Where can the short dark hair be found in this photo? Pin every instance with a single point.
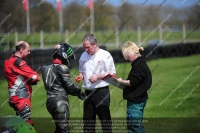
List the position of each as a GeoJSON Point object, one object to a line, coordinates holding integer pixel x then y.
{"type": "Point", "coordinates": [90, 37]}
{"type": "Point", "coordinates": [20, 46]}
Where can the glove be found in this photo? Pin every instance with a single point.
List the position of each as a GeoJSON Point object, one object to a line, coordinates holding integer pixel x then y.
{"type": "Point", "coordinates": [32, 83]}
{"type": "Point", "coordinates": [82, 95]}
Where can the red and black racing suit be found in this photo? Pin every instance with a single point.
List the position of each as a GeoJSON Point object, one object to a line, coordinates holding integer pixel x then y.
{"type": "Point", "coordinates": [20, 77]}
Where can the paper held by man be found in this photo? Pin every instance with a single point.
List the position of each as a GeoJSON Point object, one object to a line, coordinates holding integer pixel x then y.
{"type": "Point", "coordinates": [112, 79]}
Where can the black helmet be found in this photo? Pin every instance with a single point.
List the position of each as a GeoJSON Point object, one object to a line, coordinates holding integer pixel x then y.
{"type": "Point", "coordinates": [65, 52]}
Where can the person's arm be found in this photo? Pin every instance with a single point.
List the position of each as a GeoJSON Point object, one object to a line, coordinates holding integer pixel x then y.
{"type": "Point", "coordinates": [70, 87]}
{"type": "Point", "coordinates": [23, 69]}
{"type": "Point", "coordinates": [136, 77]}
{"type": "Point", "coordinates": [125, 82]}
{"type": "Point", "coordinates": [100, 75]}
{"type": "Point", "coordinates": [109, 67]}
{"type": "Point", "coordinates": [80, 76]}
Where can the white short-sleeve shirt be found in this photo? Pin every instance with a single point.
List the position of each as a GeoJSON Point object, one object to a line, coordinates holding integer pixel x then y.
{"type": "Point", "coordinates": [100, 62]}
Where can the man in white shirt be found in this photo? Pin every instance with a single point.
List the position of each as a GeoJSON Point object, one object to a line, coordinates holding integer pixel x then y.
{"type": "Point", "coordinates": [94, 64]}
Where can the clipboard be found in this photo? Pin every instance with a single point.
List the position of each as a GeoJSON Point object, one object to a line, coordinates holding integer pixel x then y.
{"type": "Point", "coordinates": [112, 79]}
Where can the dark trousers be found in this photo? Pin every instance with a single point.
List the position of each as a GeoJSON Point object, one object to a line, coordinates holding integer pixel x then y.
{"type": "Point", "coordinates": [59, 110]}
{"type": "Point", "coordinates": [98, 103]}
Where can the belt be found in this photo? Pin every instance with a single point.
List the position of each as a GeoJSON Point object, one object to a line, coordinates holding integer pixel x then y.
{"type": "Point", "coordinates": [95, 89]}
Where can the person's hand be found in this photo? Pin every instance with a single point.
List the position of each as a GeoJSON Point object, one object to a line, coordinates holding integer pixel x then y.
{"type": "Point", "coordinates": [119, 80]}
{"type": "Point", "coordinates": [82, 95]}
{"type": "Point", "coordinates": [31, 82]}
{"type": "Point", "coordinates": [78, 79]}
{"type": "Point", "coordinates": [93, 78]}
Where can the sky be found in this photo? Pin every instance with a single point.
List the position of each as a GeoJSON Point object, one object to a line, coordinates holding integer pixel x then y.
{"type": "Point", "coordinates": [175, 3]}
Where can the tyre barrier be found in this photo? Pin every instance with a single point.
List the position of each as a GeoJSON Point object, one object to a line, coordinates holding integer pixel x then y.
{"type": "Point", "coordinates": [40, 57]}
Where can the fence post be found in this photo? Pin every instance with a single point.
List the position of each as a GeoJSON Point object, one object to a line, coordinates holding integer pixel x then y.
{"type": "Point", "coordinates": [8, 40]}
{"type": "Point", "coordinates": [139, 34]}
{"type": "Point", "coordinates": [184, 34]}
{"type": "Point", "coordinates": [16, 37]}
{"type": "Point", "coordinates": [117, 38]}
{"type": "Point", "coordinates": [66, 36]}
{"type": "Point", "coordinates": [160, 33]}
{"type": "Point", "coordinates": [41, 39]}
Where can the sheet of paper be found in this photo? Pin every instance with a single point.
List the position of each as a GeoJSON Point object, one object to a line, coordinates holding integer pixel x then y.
{"type": "Point", "coordinates": [111, 79]}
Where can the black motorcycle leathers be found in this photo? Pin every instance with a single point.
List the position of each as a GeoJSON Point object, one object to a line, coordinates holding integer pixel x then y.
{"type": "Point", "coordinates": [58, 85]}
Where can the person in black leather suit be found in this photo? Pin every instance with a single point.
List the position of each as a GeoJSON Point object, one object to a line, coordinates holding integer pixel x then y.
{"type": "Point", "coordinates": [58, 85]}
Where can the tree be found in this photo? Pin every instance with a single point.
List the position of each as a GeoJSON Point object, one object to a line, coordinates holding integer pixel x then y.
{"type": "Point", "coordinates": [43, 17]}
{"type": "Point", "coordinates": [193, 16]}
{"type": "Point", "coordinates": [73, 16]}
{"type": "Point", "coordinates": [105, 16]}
{"type": "Point", "coordinates": [150, 16]}
{"type": "Point", "coordinates": [129, 10]}
{"type": "Point", "coordinates": [11, 15]}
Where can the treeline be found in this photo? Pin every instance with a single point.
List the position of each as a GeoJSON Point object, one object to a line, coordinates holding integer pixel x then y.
{"type": "Point", "coordinates": [44, 16]}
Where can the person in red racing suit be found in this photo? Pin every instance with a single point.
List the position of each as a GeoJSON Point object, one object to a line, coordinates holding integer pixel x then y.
{"type": "Point", "coordinates": [20, 77]}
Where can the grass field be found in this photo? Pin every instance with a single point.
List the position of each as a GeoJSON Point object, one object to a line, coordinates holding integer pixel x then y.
{"type": "Point", "coordinates": [173, 104]}
{"type": "Point", "coordinates": [103, 37]}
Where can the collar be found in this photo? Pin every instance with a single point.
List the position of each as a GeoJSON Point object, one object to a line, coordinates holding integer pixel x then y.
{"type": "Point", "coordinates": [136, 59]}
{"type": "Point", "coordinates": [15, 56]}
{"type": "Point", "coordinates": [56, 61]}
{"type": "Point", "coordinates": [93, 56]}
{"type": "Point", "coordinates": [97, 50]}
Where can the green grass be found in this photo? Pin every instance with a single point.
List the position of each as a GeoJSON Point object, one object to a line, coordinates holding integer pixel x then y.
{"type": "Point", "coordinates": [174, 79]}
